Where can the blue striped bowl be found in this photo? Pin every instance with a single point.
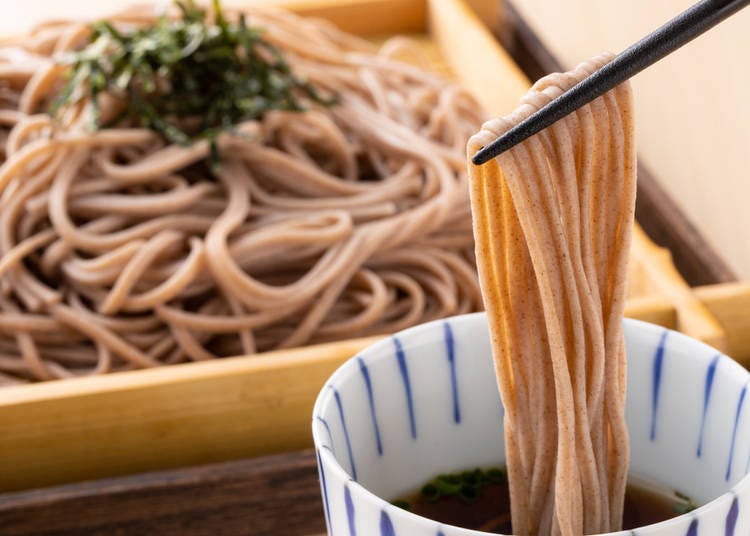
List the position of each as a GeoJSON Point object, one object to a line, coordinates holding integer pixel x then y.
{"type": "Point", "coordinates": [425, 402]}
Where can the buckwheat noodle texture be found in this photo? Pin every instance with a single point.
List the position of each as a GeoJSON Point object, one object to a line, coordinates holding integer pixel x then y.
{"type": "Point", "coordinates": [552, 222]}
{"type": "Point", "coordinates": [120, 251]}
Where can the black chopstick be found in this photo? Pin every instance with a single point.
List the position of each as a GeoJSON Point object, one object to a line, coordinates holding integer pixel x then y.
{"type": "Point", "coordinates": [674, 34]}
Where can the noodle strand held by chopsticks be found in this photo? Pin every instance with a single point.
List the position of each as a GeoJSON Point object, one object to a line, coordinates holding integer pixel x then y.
{"type": "Point", "coordinates": [119, 250]}
{"type": "Point", "coordinates": [552, 224]}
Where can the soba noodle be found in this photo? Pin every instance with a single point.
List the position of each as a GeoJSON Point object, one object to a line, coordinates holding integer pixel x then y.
{"type": "Point", "coordinates": [120, 251]}
{"type": "Point", "coordinates": [552, 222]}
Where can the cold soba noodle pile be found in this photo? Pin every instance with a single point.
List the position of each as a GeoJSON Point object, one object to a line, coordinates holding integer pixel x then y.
{"type": "Point", "coordinates": [137, 243]}
{"type": "Point", "coordinates": [552, 222]}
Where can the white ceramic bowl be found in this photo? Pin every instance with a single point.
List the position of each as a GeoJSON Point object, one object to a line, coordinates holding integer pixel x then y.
{"type": "Point", "coordinates": [424, 402]}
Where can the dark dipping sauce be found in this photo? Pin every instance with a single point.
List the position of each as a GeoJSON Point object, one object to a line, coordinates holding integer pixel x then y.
{"type": "Point", "coordinates": [480, 500]}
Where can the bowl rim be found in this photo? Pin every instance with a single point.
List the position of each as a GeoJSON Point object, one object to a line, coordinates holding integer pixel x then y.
{"type": "Point", "coordinates": [349, 367]}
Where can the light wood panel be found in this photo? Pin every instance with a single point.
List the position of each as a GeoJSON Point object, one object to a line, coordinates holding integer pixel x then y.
{"type": "Point", "coordinates": [488, 11]}
{"type": "Point", "coordinates": [93, 427]}
{"type": "Point", "coordinates": [730, 305]}
{"type": "Point", "coordinates": [693, 114]}
{"type": "Point", "coordinates": [476, 57]}
{"type": "Point", "coordinates": [657, 277]}
{"type": "Point", "coordinates": [364, 17]}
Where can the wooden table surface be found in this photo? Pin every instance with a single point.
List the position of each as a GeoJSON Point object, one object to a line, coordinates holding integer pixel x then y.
{"type": "Point", "coordinates": [274, 495]}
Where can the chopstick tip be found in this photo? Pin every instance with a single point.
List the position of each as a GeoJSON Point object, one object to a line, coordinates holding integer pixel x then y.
{"type": "Point", "coordinates": [480, 157]}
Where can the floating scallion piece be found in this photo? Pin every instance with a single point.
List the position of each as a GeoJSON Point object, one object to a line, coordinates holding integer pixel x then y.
{"type": "Point", "coordinates": [684, 505]}
{"type": "Point", "coordinates": [400, 503]}
{"type": "Point", "coordinates": [466, 485]}
{"type": "Point", "coordinates": [469, 493]}
{"type": "Point", "coordinates": [496, 476]}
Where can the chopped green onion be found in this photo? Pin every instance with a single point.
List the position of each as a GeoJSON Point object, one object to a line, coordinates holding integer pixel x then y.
{"type": "Point", "coordinates": [468, 494]}
{"type": "Point", "coordinates": [187, 79]}
{"type": "Point", "coordinates": [400, 503]}
{"type": "Point", "coordinates": [431, 492]}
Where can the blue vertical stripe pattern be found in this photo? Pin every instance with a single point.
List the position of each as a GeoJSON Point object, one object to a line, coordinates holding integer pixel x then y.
{"type": "Point", "coordinates": [371, 399]}
{"type": "Point", "coordinates": [328, 429]}
{"type": "Point", "coordinates": [350, 510]}
{"type": "Point", "coordinates": [710, 373]}
{"type": "Point", "coordinates": [693, 528]}
{"type": "Point", "coordinates": [325, 493]}
{"type": "Point", "coordinates": [386, 525]}
{"type": "Point", "coordinates": [450, 346]}
{"type": "Point", "coordinates": [734, 430]}
{"type": "Point", "coordinates": [401, 357]}
{"type": "Point", "coordinates": [732, 515]}
{"type": "Point", "coordinates": [656, 379]}
{"type": "Point", "coordinates": [346, 431]}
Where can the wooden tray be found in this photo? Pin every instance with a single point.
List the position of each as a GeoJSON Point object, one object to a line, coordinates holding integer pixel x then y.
{"type": "Point", "coordinates": [274, 494]}
{"type": "Point", "coordinates": [184, 415]}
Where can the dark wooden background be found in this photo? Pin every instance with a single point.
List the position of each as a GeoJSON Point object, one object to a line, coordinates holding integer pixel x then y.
{"type": "Point", "coordinates": [279, 495]}
{"type": "Point", "coordinates": [273, 495]}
